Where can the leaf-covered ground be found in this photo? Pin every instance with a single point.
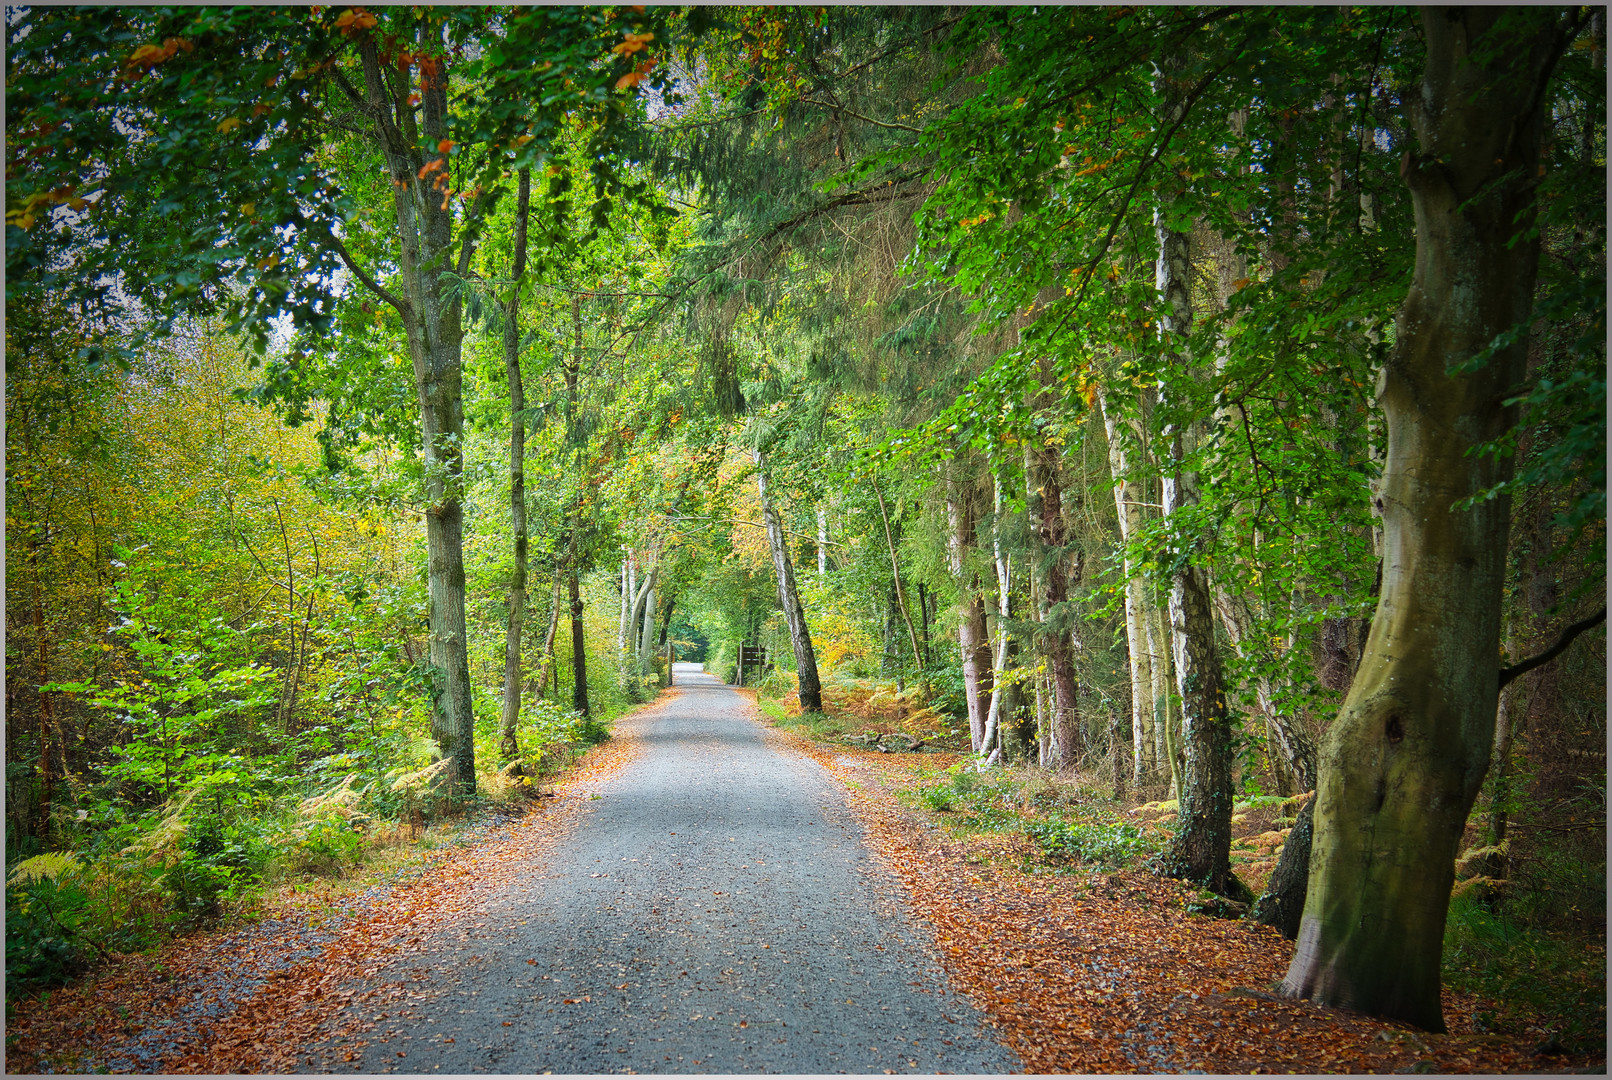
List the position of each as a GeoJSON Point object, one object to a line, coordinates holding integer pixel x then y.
{"type": "Point", "coordinates": [251, 999]}
{"type": "Point", "coordinates": [1080, 972]}
{"type": "Point", "coordinates": [1111, 973]}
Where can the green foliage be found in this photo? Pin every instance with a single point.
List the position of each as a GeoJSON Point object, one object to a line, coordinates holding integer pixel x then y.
{"type": "Point", "coordinates": [1110, 845]}
{"type": "Point", "coordinates": [1540, 980]}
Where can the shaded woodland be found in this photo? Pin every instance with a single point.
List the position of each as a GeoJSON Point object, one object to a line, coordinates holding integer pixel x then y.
{"type": "Point", "coordinates": [1201, 407]}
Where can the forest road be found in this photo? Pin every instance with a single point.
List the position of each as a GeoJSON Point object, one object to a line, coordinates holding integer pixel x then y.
{"type": "Point", "coordinates": [715, 912]}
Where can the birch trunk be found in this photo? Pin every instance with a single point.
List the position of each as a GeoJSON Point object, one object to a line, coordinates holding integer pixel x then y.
{"type": "Point", "coordinates": [1126, 504]}
{"type": "Point", "coordinates": [1402, 764]}
{"type": "Point", "coordinates": [822, 541]}
{"type": "Point", "coordinates": [1200, 851]}
{"type": "Point", "coordinates": [1004, 640]}
{"type": "Point", "coordinates": [971, 636]}
{"type": "Point", "coordinates": [800, 638]}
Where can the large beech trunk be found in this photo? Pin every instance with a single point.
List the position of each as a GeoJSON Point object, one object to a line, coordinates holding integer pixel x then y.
{"type": "Point", "coordinates": [1403, 762]}
{"type": "Point", "coordinates": [511, 716]}
{"type": "Point", "coordinates": [972, 639]}
{"type": "Point", "coordinates": [800, 637]}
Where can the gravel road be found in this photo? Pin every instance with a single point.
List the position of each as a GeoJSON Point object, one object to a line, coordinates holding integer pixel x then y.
{"type": "Point", "coordinates": [716, 912]}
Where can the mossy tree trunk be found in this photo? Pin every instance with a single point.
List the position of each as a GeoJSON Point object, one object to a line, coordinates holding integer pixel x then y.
{"type": "Point", "coordinates": [1402, 764]}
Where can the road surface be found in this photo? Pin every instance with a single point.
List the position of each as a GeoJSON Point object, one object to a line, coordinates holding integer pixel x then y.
{"type": "Point", "coordinates": [716, 912]}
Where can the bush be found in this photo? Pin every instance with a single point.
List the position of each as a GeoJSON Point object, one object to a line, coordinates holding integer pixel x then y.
{"type": "Point", "coordinates": [43, 947]}
{"type": "Point", "coordinates": [1106, 846]}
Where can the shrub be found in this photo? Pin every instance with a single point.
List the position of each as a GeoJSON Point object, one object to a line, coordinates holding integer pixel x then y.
{"type": "Point", "coordinates": [1108, 846]}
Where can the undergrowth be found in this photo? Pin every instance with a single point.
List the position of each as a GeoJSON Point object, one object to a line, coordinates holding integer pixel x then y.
{"type": "Point", "coordinates": [1549, 985]}
{"type": "Point", "coordinates": [135, 877]}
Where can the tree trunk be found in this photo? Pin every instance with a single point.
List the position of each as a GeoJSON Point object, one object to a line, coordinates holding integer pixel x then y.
{"type": "Point", "coordinates": [573, 437]}
{"type": "Point", "coordinates": [971, 636]}
{"type": "Point", "coordinates": [1166, 731]}
{"type": "Point", "coordinates": [1293, 742]}
{"type": "Point", "coordinates": [800, 637]}
{"type": "Point", "coordinates": [579, 655]}
{"type": "Point", "coordinates": [626, 601]}
{"type": "Point", "coordinates": [548, 641]}
{"type": "Point", "coordinates": [435, 336]}
{"type": "Point", "coordinates": [895, 573]}
{"type": "Point", "coordinates": [1141, 668]}
{"type": "Point", "coordinates": [1044, 505]}
{"type": "Point", "coordinates": [1200, 851]}
{"type": "Point", "coordinates": [822, 541]}
{"type": "Point", "coordinates": [517, 480]}
{"type": "Point", "coordinates": [1282, 903]}
{"type": "Point", "coordinates": [1402, 764]}
{"type": "Point", "coordinates": [1004, 651]}
{"type": "Point", "coordinates": [47, 708]}
{"type": "Point", "coordinates": [647, 631]}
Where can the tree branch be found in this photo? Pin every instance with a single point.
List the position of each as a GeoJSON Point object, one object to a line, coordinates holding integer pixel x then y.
{"type": "Point", "coordinates": [1573, 631]}
{"type": "Point", "coordinates": [358, 272]}
{"type": "Point", "coordinates": [859, 116]}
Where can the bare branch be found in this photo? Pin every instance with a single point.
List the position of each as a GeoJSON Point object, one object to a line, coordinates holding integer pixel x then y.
{"type": "Point", "coordinates": [859, 116]}
{"type": "Point", "coordinates": [1573, 631]}
{"type": "Point", "coordinates": [330, 240]}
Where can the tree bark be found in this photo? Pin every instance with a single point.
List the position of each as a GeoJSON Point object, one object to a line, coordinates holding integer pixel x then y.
{"type": "Point", "coordinates": [1402, 764]}
{"type": "Point", "coordinates": [435, 335]}
{"type": "Point", "coordinates": [971, 637]}
{"type": "Point", "coordinates": [579, 654]}
{"type": "Point", "coordinates": [1200, 851]}
{"type": "Point", "coordinates": [800, 637]}
{"type": "Point", "coordinates": [1166, 730]}
{"type": "Point", "coordinates": [626, 601]}
{"type": "Point", "coordinates": [822, 541]}
{"type": "Point", "coordinates": [573, 437]}
{"type": "Point", "coordinates": [517, 479]}
{"type": "Point", "coordinates": [1004, 640]}
{"type": "Point", "coordinates": [1126, 502]}
{"type": "Point", "coordinates": [548, 641]}
{"type": "Point", "coordinates": [895, 573]}
{"type": "Point", "coordinates": [1044, 505]}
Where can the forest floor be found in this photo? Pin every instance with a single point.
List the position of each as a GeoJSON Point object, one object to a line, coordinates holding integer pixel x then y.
{"type": "Point", "coordinates": [1075, 971]}
{"type": "Point", "coordinates": [1114, 971]}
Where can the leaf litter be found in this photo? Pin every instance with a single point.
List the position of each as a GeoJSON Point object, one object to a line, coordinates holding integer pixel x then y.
{"type": "Point", "coordinates": [1108, 973]}
{"type": "Point", "coordinates": [1112, 973]}
{"type": "Point", "coordinates": [251, 999]}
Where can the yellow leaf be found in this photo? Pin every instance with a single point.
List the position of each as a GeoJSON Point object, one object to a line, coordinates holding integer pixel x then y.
{"type": "Point", "coordinates": [228, 125]}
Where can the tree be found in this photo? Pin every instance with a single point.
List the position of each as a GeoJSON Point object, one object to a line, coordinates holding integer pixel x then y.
{"type": "Point", "coordinates": [1402, 764]}
{"type": "Point", "coordinates": [224, 118]}
{"type": "Point", "coordinates": [517, 473]}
